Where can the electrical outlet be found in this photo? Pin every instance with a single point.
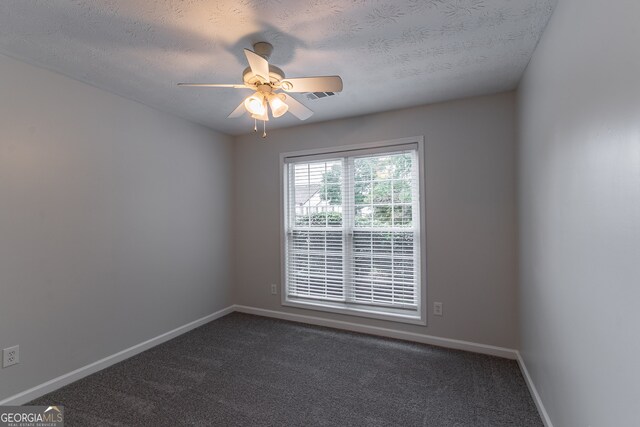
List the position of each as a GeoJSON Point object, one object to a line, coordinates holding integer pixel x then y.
{"type": "Point", "coordinates": [10, 356]}
{"type": "Point", "coordinates": [274, 289]}
{"type": "Point", "coordinates": [437, 309]}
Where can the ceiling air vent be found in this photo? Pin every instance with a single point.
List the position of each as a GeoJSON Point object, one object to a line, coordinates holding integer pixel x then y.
{"type": "Point", "coordinates": [317, 95]}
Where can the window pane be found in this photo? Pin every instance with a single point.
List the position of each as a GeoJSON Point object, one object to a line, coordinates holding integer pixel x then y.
{"type": "Point", "coordinates": [383, 268]}
{"type": "Point", "coordinates": [402, 216]}
{"type": "Point", "coordinates": [317, 191]}
{"type": "Point", "coordinates": [364, 216]}
{"type": "Point", "coordinates": [381, 216]}
{"type": "Point", "coordinates": [382, 192]}
{"type": "Point", "coordinates": [402, 191]}
{"type": "Point", "coordinates": [382, 166]}
{"type": "Point", "coordinates": [314, 267]}
{"type": "Point", "coordinates": [362, 193]}
{"type": "Point", "coordinates": [402, 166]}
{"type": "Point", "coordinates": [362, 170]}
{"type": "Point", "coordinates": [383, 182]}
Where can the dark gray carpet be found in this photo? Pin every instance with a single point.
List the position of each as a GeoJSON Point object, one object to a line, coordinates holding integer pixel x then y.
{"type": "Point", "coordinates": [244, 370]}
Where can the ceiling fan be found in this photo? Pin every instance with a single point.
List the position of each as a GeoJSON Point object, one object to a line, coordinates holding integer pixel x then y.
{"type": "Point", "coordinates": [266, 80]}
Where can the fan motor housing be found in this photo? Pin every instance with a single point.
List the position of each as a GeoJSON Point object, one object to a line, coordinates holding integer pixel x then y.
{"type": "Point", "coordinates": [276, 75]}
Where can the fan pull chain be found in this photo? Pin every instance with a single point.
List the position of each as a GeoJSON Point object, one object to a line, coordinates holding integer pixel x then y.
{"type": "Point", "coordinates": [255, 125]}
{"type": "Point", "coordinates": [264, 128]}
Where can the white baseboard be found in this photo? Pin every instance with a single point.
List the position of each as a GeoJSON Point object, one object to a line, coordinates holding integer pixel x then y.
{"type": "Point", "coordinates": [534, 392]}
{"type": "Point", "coordinates": [385, 332]}
{"type": "Point", "coordinates": [68, 378]}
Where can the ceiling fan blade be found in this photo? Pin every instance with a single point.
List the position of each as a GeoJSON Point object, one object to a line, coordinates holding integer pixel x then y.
{"type": "Point", "coordinates": [214, 85]}
{"type": "Point", "coordinates": [259, 65]}
{"type": "Point", "coordinates": [313, 84]}
{"type": "Point", "coordinates": [296, 108]}
{"type": "Point", "coordinates": [239, 111]}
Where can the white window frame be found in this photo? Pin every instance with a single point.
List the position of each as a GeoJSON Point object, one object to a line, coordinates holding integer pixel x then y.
{"type": "Point", "coordinates": [420, 317]}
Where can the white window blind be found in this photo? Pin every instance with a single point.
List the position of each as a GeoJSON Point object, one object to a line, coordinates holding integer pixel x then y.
{"type": "Point", "coordinates": [352, 230]}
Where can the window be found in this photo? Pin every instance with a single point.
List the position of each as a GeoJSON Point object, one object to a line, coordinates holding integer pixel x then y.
{"type": "Point", "coordinates": [352, 230]}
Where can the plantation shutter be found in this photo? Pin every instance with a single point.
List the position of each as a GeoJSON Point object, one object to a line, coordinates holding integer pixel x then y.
{"type": "Point", "coordinates": [352, 228]}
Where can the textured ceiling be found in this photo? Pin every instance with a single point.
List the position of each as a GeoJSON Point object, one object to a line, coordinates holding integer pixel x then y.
{"type": "Point", "coordinates": [390, 53]}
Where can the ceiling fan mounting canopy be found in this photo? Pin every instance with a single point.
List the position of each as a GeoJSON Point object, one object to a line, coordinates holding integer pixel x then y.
{"type": "Point", "coordinates": [276, 75]}
{"type": "Point", "coordinates": [264, 49]}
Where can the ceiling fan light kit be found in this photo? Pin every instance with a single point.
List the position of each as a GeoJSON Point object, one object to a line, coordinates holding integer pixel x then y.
{"type": "Point", "coordinates": [278, 107]}
{"type": "Point", "coordinates": [265, 79]}
{"type": "Point", "coordinates": [255, 104]}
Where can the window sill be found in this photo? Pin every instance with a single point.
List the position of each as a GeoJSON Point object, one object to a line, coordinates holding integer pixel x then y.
{"type": "Point", "coordinates": [359, 311]}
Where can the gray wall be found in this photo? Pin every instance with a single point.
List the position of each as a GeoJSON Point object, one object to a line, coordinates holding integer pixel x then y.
{"type": "Point", "coordinates": [579, 114]}
{"type": "Point", "coordinates": [113, 223]}
{"type": "Point", "coordinates": [471, 201]}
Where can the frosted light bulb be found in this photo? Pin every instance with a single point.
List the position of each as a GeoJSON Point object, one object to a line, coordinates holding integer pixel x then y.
{"type": "Point", "coordinates": [278, 107]}
{"type": "Point", "coordinates": [255, 105]}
